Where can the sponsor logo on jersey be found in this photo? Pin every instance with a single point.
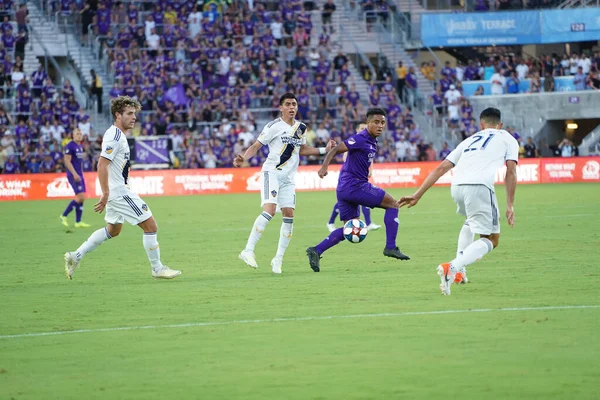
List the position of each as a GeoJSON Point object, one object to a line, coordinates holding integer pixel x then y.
{"type": "Point", "coordinates": [108, 150]}
{"type": "Point", "coordinates": [291, 140]}
{"type": "Point", "coordinates": [351, 141]}
{"type": "Point", "coordinates": [591, 170]}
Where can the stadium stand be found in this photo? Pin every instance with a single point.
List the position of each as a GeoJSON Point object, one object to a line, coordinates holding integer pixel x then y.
{"type": "Point", "coordinates": [208, 75]}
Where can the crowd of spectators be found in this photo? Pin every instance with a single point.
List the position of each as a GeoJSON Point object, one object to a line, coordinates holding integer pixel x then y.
{"type": "Point", "coordinates": [37, 118]}
{"type": "Point", "coordinates": [505, 73]}
{"type": "Point", "coordinates": [229, 61]}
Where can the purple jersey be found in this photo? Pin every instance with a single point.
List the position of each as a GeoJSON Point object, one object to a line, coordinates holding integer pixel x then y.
{"type": "Point", "coordinates": [362, 148]}
{"type": "Point", "coordinates": [76, 152]}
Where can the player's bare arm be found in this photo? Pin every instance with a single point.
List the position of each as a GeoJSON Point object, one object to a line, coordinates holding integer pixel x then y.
{"type": "Point", "coordinates": [511, 186]}
{"type": "Point", "coordinates": [338, 149]}
{"type": "Point", "coordinates": [69, 166]}
{"type": "Point", "coordinates": [315, 151]}
{"type": "Point", "coordinates": [248, 154]}
{"type": "Point", "coordinates": [103, 164]}
{"type": "Point", "coordinates": [433, 177]}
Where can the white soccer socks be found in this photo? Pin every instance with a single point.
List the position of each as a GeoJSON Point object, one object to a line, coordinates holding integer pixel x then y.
{"type": "Point", "coordinates": [465, 238]}
{"type": "Point", "coordinates": [472, 253]}
{"type": "Point", "coordinates": [95, 240]}
{"type": "Point", "coordinates": [285, 235]}
{"type": "Point", "coordinates": [257, 229]}
{"type": "Point", "coordinates": [151, 246]}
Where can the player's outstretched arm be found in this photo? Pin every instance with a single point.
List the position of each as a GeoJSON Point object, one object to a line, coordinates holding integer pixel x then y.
{"type": "Point", "coordinates": [433, 177]}
{"type": "Point", "coordinates": [315, 151]}
{"type": "Point", "coordinates": [510, 183]}
{"type": "Point", "coordinates": [340, 148]}
{"type": "Point", "coordinates": [248, 154]}
{"type": "Point", "coordinates": [103, 164]}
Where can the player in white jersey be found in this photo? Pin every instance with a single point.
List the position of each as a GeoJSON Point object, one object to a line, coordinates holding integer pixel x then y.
{"type": "Point", "coordinates": [476, 161]}
{"type": "Point", "coordinates": [286, 141]}
{"type": "Point", "coordinates": [121, 204]}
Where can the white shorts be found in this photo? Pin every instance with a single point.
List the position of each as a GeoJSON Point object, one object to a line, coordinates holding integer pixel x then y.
{"type": "Point", "coordinates": [130, 208]}
{"type": "Point", "coordinates": [479, 205]}
{"type": "Point", "coordinates": [277, 189]}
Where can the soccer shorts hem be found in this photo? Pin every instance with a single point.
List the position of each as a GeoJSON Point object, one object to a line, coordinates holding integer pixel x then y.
{"type": "Point", "coordinates": [277, 190]}
{"type": "Point", "coordinates": [78, 187]}
{"type": "Point", "coordinates": [130, 208]}
{"type": "Point", "coordinates": [480, 207]}
{"type": "Point", "coordinates": [350, 199]}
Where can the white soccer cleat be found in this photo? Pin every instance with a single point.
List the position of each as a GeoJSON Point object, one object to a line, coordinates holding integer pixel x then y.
{"type": "Point", "coordinates": [248, 257]}
{"type": "Point", "coordinates": [331, 227]}
{"type": "Point", "coordinates": [71, 263]}
{"type": "Point", "coordinates": [446, 277]}
{"type": "Point", "coordinates": [276, 265]}
{"type": "Point", "coordinates": [165, 273]}
{"type": "Point", "coordinates": [373, 227]}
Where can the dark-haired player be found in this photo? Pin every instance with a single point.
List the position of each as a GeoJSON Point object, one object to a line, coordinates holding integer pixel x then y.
{"type": "Point", "coordinates": [476, 161]}
{"type": "Point", "coordinates": [354, 189]}
{"type": "Point", "coordinates": [286, 140]}
{"type": "Point", "coordinates": [366, 211]}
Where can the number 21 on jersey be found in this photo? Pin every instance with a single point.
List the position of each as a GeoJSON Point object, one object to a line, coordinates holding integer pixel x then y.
{"type": "Point", "coordinates": [476, 139]}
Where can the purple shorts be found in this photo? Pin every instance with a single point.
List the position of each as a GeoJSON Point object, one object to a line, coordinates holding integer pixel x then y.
{"type": "Point", "coordinates": [78, 187]}
{"type": "Point", "coordinates": [350, 199]}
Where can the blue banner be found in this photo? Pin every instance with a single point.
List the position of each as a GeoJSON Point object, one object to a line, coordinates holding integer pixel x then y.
{"type": "Point", "coordinates": [562, 84]}
{"type": "Point", "coordinates": [518, 27]}
{"type": "Point", "coordinates": [577, 25]}
{"type": "Point", "coordinates": [480, 29]}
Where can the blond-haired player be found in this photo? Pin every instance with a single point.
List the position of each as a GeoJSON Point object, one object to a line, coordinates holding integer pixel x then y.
{"type": "Point", "coordinates": [120, 203]}
{"type": "Point", "coordinates": [476, 161]}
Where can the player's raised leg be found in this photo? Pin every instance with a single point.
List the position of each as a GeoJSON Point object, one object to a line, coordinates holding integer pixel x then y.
{"type": "Point", "coordinates": [348, 210]}
{"type": "Point", "coordinates": [392, 223]}
{"type": "Point", "coordinates": [465, 238]}
{"type": "Point", "coordinates": [73, 258]}
{"type": "Point", "coordinates": [150, 242]}
{"type": "Point", "coordinates": [474, 252]}
{"type": "Point", "coordinates": [334, 214]}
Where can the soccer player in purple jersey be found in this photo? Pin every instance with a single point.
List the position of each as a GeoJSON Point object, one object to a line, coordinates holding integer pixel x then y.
{"type": "Point", "coordinates": [365, 210]}
{"type": "Point", "coordinates": [354, 189]}
{"type": "Point", "coordinates": [74, 164]}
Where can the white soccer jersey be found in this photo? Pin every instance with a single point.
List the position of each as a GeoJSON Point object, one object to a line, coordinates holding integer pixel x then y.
{"type": "Point", "coordinates": [284, 143]}
{"type": "Point", "coordinates": [116, 149]}
{"type": "Point", "coordinates": [478, 157]}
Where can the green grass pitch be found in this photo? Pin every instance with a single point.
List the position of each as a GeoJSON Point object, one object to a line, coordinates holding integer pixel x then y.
{"type": "Point", "coordinates": [380, 344]}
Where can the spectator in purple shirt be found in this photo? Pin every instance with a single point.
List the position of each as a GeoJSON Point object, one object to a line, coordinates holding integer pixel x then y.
{"type": "Point", "coordinates": [353, 96]}
{"type": "Point", "coordinates": [11, 166]}
{"type": "Point", "coordinates": [344, 74]}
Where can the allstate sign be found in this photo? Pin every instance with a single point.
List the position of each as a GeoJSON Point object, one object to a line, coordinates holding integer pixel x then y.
{"type": "Point", "coordinates": [480, 29]}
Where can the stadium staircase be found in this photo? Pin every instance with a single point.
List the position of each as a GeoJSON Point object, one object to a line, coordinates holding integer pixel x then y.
{"type": "Point", "coordinates": [337, 43]}
{"type": "Point", "coordinates": [61, 40]}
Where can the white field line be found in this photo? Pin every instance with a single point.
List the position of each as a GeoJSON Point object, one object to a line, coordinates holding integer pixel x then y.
{"type": "Point", "coordinates": [295, 319]}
